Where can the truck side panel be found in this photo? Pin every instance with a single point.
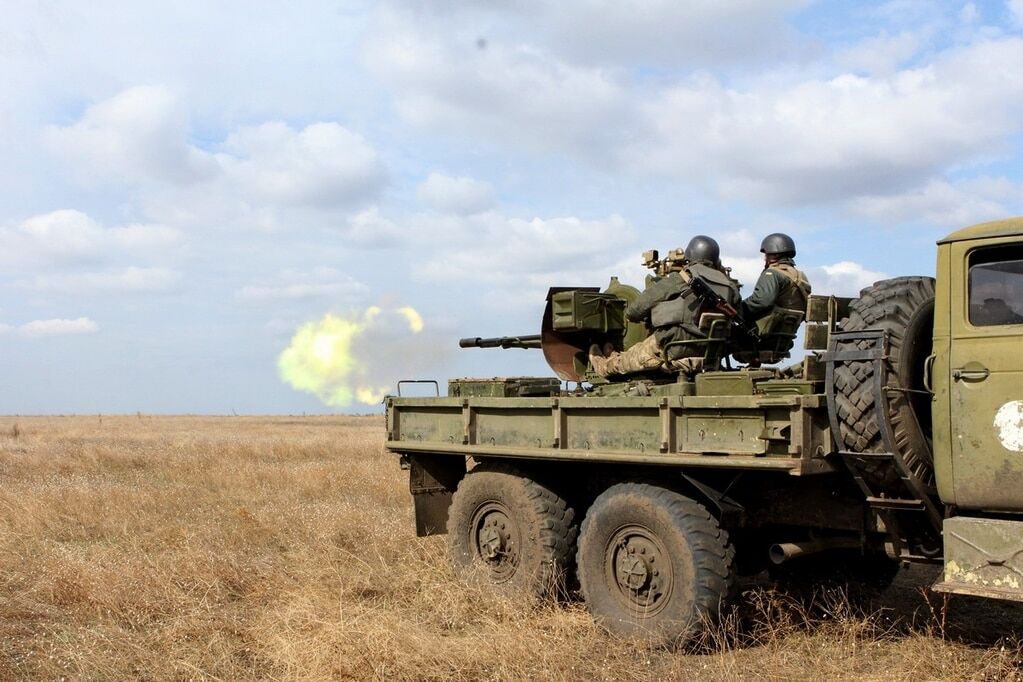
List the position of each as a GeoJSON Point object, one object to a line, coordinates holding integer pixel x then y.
{"type": "Point", "coordinates": [786, 432]}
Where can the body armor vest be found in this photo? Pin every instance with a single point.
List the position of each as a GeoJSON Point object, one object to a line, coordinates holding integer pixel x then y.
{"type": "Point", "coordinates": [793, 296]}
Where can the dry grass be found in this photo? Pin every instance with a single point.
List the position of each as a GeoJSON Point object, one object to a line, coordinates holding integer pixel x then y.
{"type": "Point", "coordinates": [227, 548]}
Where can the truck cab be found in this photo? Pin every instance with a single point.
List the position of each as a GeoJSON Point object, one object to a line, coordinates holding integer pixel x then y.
{"type": "Point", "coordinates": [977, 406]}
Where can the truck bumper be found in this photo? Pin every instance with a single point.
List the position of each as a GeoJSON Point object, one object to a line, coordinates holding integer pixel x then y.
{"type": "Point", "coordinates": [983, 558]}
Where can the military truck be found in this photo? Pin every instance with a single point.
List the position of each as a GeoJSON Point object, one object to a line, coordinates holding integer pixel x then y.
{"type": "Point", "coordinates": [898, 438]}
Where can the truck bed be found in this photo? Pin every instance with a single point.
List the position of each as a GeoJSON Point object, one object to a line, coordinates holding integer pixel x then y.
{"type": "Point", "coordinates": [763, 432]}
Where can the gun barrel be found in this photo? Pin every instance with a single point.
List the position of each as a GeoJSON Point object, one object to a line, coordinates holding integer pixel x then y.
{"type": "Point", "coordinates": [523, 341]}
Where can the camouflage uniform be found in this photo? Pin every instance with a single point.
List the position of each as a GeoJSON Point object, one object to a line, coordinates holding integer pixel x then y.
{"type": "Point", "coordinates": [673, 312]}
{"type": "Point", "coordinates": [780, 285]}
{"type": "Point", "coordinates": [781, 292]}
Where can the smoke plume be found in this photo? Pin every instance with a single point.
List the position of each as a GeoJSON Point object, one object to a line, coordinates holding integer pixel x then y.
{"type": "Point", "coordinates": [347, 359]}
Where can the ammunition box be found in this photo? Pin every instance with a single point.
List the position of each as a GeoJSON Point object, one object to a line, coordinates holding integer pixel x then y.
{"type": "Point", "coordinates": [786, 387]}
{"type": "Point", "coordinates": [730, 383]}
{"type": "Point", "coordinates": [504, 387]}
{"type": "Point", "coordinates": [577, 310]}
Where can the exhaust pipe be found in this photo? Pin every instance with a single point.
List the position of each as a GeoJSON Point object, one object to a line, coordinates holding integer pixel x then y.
{"type": "Point", "coordinates": [784, 551]}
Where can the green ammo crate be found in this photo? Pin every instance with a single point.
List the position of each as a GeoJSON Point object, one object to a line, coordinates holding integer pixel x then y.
{"type": "Point", "coordinates": [504, 387]}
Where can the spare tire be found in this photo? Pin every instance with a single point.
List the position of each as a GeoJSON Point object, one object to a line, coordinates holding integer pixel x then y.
{"type": "Point", "coordinates": [904, 307]}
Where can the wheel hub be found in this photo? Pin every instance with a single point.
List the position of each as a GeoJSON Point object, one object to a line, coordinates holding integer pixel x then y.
{"type": "Point", "coordinates": [633, 572]}
{"type": "Point", "coordinates": [637, 564]}
{"type": "Point", "coordinates": [494, 535]}
{"type": "Point", "coordinates": [492, 540]}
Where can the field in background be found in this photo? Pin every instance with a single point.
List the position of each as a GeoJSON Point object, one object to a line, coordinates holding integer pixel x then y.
{"type": "Point", "coordinates": [257, 547]}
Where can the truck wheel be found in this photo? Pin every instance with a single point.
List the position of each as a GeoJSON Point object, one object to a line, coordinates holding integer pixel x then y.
{"type": "Point", "coordinates": [652, 563]}
{"type": "Point", "coordinates": [903, 306]}
{"type": "Point", "coordinates": [511, 531]}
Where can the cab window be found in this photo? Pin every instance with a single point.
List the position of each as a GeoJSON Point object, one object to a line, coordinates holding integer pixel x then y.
{"type": "Point", "coordinates": [996, 286]}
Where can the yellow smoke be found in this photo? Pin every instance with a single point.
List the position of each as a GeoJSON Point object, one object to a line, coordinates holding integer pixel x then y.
{"type": "Point", "coordinates": [332, 359]}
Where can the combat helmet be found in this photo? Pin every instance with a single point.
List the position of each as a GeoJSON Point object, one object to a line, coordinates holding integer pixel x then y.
{"type": "Point", "coordinates": [703, 248]}
{"type": "Point", "coordinates": [778, 244]}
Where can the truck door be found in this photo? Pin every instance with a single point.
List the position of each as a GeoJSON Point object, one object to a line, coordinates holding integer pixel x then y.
{"type": "Point", "coordinates": [986, 374]}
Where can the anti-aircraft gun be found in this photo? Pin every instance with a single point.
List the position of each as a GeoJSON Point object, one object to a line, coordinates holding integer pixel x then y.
{"type": "Point", "coordinates": [900, 439]}
{"type": "Point", "coordinates": [576, 318]}
{"type": "Point", "coordinates": [573, 319]}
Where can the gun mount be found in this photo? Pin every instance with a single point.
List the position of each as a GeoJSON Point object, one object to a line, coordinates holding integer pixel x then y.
{"type": "Point", "coordinates": [574, 319]}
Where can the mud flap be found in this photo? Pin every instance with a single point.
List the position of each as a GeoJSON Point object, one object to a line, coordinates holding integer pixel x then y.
{"type": "Point", "coordinates": [432, 480]}
{"type": "Point", "coordinates": [983, 558]}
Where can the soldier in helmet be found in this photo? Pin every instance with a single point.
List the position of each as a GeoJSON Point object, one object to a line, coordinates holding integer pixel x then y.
{"type": "Point", "coordinates": [781, 292]}
{"type": "Point", "coordinates": [780, 285]}
{"type": "Point", "coordinates": [672, 311]}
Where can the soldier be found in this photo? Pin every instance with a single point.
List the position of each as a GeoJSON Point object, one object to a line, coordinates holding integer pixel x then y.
{"type": "Point", "coordinates": [780, 285]}
{"type": "Point", "coordinates": [777, 304]}
{"type": "Point", "coordinates": [673, 311]}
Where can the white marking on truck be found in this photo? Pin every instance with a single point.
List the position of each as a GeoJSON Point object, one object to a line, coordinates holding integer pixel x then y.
{"type": "Point", "coordinates": [1009, 422]}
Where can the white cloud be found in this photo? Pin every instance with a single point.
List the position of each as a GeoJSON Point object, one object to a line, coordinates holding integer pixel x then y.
{"type": "Point", "coordinates": [369, 228]}
{"type": "Point", "coordinates": [140, 137]}
{"type": "Point", "coordinates": [844, 278]}
{"type": "Point", "coordinates": [316, 284]}
{"type": "Point", "coordinates": [856, 125]}
{"type": "Point", "coordinates": [505, 91]}
{"type": "Point", "coordinates": [128, 280]}
{"type": "Point", "coordinates": [56, 327]}
{"type": "Point", "coordinates": [324, 164]}
{"type": "Point", "coordinates": [662, 32]}
{"type": "Point", "coordinates": [522, 258]}
{"type": "Point", "coordinates": [969, 14]}
{"type": "Point", "coordinates": [847, 136]}
{"type": "Point", "coordinates": [1016, 11]}
{"type": "Point", "coordinates": [69, 236]}
{"type": "Point", "coordinates": [940, 202]}
{"type": "Point", "coordinates": [668, 32]}
{"type": "Point", "coordinates": [138, 134]}
{"type": "Point", "coordinates": [455, 194]}
{"type": "Point", "coordinates": [880, 55]}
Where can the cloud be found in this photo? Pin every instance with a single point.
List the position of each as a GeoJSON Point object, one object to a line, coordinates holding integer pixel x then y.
{"type": "Point", "coordinates": [455, 194]}
{"type": "Point", "coordinates": [492, 245]}
{"type": "Point", "coordinates": [55, 327]}
{"type": "Point", "coordinates": [1016, 11]}
{"type": "Point", "coordinates": [844, 278]}
{"type": "Point", "coordinates": [322, 165]}
{"type": "Point", "coordinates": [138, 134]}
{"type": "Point", "coordinates": [370, 229]}
{"type": "Point", "coordinates": [296, 286]}
{"type": "Point", "coordinates": [843, 137]}
{"type": "Point", "coordinates": [512, 261]}
{"type": "Point", "coordinates": [252, 178]}
{"type": "Point", "coordinates": [940, 202]}
{"type": "Point", "coordinates": [505, 91]}
{"type": "Point", "coordinates": [881, 55]}
{"type": "Point", "coordinates": [661, 32]}
{"type": "Point", "coordinates": [666, 32]}
{"type": "Point", "coordinates": [881, 115]}
{"type": "Point", "coordinates": [68, 236]}
{"type": "Point", "coordinates": [130, 280]}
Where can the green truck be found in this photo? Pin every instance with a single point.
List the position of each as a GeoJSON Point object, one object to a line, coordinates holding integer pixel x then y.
{"type": "Point", "coordinates": [898, 438]}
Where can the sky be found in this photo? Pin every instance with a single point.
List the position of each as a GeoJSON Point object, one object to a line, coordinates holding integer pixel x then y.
{"type": "Point", "coordinates": [190, 192]}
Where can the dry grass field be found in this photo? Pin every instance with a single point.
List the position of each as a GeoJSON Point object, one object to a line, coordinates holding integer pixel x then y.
{"type": "Point", "coordinates": [283, 548]}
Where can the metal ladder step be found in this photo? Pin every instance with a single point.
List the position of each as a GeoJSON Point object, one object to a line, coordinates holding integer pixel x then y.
{"type": "Point", "coordinates": [896, 503]}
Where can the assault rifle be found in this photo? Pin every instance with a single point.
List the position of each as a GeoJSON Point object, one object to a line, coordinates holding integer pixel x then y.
{"type": "Point", "coordinates": [705, 293]}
